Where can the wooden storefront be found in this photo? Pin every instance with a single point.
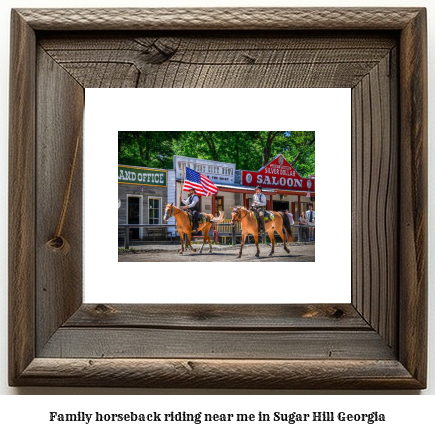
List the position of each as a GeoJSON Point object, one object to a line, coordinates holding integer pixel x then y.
{"type": "Point", "coordinates": [142, 194]}
{"type": "Point", "coordinates": [237, 188]}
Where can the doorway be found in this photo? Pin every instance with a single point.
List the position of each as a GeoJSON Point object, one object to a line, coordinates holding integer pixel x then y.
{"type": "Point", "coordinates": [279, 205]}
{"type": "Point", "coordinates": [219, 204]}
{"type": "Point", "coordinates": [134, 215]}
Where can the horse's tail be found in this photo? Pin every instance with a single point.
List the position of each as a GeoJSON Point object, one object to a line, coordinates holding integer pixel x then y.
{"type": "Point", "coordinates": [286, 226]}
{"type": "Point", "coordinates": [219, 219]}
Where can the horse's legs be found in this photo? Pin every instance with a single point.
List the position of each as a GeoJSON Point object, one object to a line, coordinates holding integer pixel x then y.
{"type": "Point", "coordinates": [242, 242]}
{"type": "Point", "coordinates": [181, 241]}
{"type": "Point", "coordinates": [189, 236]}
{"type": "Point", "coordinates": [209, 240]}
{"type": "Point", "coordinates": [205, 238]}
{"type": "Point", "coordinates": [272, 240]}
{"type": "Point", "coordinates": [256, 245]}
{"type": "Point", "coordinates": [283, 235]}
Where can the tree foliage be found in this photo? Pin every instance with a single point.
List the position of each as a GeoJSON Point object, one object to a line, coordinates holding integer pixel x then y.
{"type": "Point", "coordinates": [249, 150]}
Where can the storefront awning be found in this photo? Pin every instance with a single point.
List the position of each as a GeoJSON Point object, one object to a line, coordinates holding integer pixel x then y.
{"type": "Point", "coordinates": [251, 190]}
{"type": "Point", "coordinates": [237, 188]}
{"type": "Point", "coordinates": [242, 189]}
{"type": "Point", "coordinates": [294, 193]}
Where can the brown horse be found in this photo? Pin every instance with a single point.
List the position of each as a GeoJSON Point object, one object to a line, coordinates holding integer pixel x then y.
{"type": "Point", "coordinates": [184, 226]}
{"type": "Point", "coordinates": [250, 226]}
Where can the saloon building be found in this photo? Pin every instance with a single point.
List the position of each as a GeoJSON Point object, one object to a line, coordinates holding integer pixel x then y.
{"type": "Point", "coordinates": [143, 191]}
{"type": "Point", "coordinates": [282, 185]}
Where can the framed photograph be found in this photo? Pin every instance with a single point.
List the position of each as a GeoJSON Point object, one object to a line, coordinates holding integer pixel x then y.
{"type": "Point", "coordinates": [142, 154]}
{"type": "Point", "coordinates": [377, 341]}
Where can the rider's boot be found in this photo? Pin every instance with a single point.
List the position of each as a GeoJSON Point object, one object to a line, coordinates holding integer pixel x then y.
{"type": "Point", "coordinates": [262, 223]}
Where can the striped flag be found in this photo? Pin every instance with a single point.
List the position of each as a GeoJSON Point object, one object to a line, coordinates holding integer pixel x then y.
{"type": "Point", "coordinates": [200, 182]}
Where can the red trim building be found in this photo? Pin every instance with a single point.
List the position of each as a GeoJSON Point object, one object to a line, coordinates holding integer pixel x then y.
{"type": "Point", "coordinates": [280, 176]}
{"type": "Point", "coordinates": [282, 185]}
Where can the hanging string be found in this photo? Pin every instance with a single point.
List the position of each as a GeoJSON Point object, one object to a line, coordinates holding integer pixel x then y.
{"type": "Point", "coordinates": [59, 244]}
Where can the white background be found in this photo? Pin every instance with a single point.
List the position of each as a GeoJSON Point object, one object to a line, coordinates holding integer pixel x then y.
{"type": "Point", "coordinates": [408, 412]}
{"type": "Point", "coordinates": [325, 111]}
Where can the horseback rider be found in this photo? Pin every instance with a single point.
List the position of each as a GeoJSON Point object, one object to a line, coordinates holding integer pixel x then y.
{"type": "Point", "coordinates": [259, 205]}
{"type": "Point", "coordinates": [192, 205]}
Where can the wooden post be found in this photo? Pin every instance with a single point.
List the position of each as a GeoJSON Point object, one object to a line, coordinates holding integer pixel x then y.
{"type": "Point", "coordinates": [244, 200]}
{"type": "Point", "coordinates": [233, 234]}
{"type": "Point", "coordinates": [127, 237]}
{"type": "Point", "coordinates": [299, 206]}
{"type": "Point", "coordinates": [181, 186]}
{"type": "Point", "coordinates": [213, 205]}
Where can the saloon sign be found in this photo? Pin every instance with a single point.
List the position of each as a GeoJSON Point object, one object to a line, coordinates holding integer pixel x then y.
{"type": "Point", "coordinates": [280, 175]}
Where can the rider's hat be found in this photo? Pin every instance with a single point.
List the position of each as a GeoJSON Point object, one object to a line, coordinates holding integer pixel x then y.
{"type": "Point", "coordinates": [192, 189]}
{"type": "Point", "coordinates": [259, 187]}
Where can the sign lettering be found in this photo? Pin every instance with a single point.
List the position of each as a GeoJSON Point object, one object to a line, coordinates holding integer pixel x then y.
{"type": "Point", "coordinates": [140, 176]}
{"type": "Point", "coordinates": [216, 171]}
{"type": "Point", "coordinates": [278, 174]}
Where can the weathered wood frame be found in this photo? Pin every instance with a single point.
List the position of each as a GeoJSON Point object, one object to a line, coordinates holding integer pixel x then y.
{"type": "Point", "coordinates": [377, 341]}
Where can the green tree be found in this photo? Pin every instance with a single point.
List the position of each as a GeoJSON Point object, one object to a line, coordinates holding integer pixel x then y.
{"type": "Point", "coordinates": [146, 148]}
{"type": "Point", "coordinates": [249, 150]}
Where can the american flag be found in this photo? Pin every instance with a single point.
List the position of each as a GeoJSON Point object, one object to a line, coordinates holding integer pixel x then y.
{"type": "Point", "coordinates": [202, 185]}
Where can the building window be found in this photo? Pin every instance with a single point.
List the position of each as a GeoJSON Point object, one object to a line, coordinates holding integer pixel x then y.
{"type": "Point", "coordinates": [154, 211]}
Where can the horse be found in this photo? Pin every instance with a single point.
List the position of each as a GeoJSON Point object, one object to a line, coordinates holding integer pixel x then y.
{"type": "Point", "coordinates": [250, 226]}
{"type": "Point", "coordinates": [184, 226]}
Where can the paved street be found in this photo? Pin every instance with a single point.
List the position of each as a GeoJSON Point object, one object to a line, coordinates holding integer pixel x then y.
{"type": "Point", "coordinates": [168, 253]}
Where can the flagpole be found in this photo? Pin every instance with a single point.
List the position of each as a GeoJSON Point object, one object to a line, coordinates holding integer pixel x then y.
{"type": "Point", "coordinates": [181, 189]}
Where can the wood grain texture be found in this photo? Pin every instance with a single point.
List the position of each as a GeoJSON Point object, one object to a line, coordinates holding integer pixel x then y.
{"type": "Point", "coordinates": [357, 217]}
{"type": "Point", "coordinates": [59, 278]}
{"type": "Point", "coordinates": [235, 61]}
{"type": "Point", "coordinates": [240, 374]}
{"type": "Point", "coordinates": [220, 317]}
{"type": "Point", "coordinates": [375, 198]}
{"type": "Point", "coordinates": [378, 342]}
{"type": "Point", "coordinates": [21, 197]}
{"type": "Point", "coordinates": [413, 198]}
{"type": "Point", "coordinates": [393, 207]}
{"type": "Point", "coordinates": [220, 18]}
{"type": "Point", "coordinates": [128, 342]}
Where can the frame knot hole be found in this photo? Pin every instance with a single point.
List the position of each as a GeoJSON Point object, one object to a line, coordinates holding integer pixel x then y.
{"type": "Point", "coordinates": [158, 51]}
{"type": "Point", "coordinates": [338, 313]}
{"type": "Point", "coordinates": [249, 59]}
{"type": "Point", "coordinates": [102, 309]}
{"type": "Point", "coordinates": [58, 244]}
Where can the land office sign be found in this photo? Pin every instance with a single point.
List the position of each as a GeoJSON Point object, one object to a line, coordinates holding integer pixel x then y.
{"type": "Point", "coordinates": [280, 175]}
{"type": "Point", "coordinates": [141, 176]}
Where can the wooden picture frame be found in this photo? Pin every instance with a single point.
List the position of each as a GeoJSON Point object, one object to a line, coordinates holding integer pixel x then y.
{"type": "Point", "coordinates": [376, 342]}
